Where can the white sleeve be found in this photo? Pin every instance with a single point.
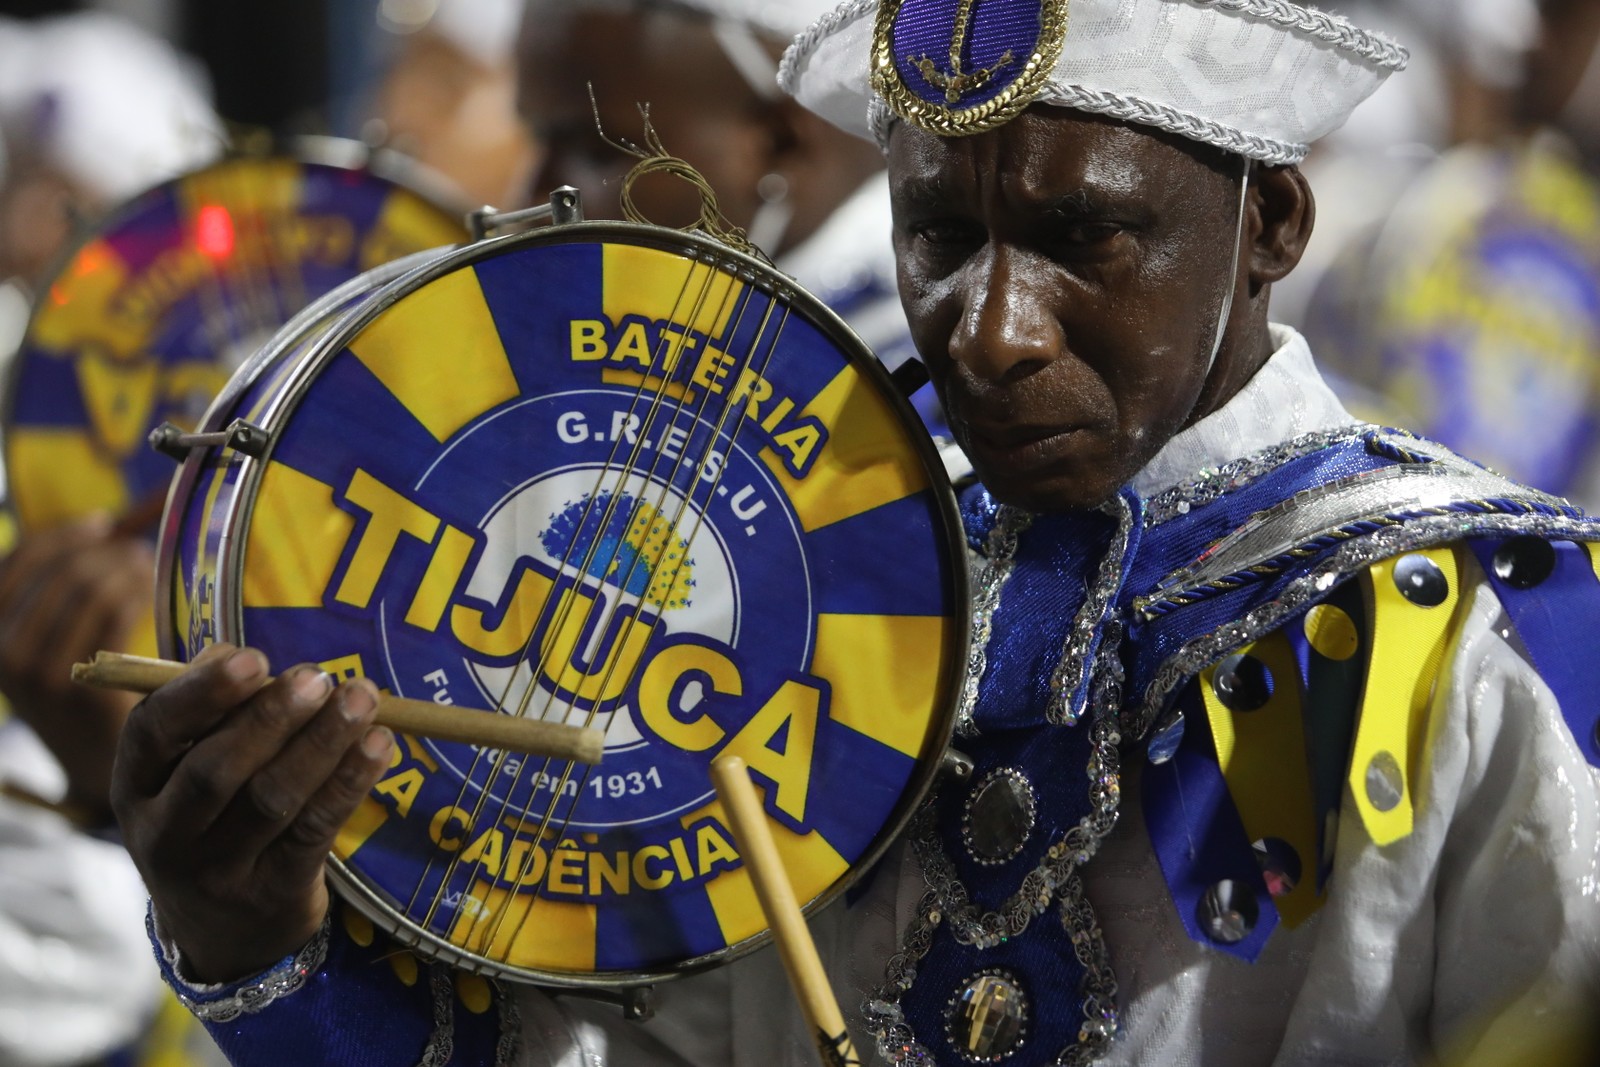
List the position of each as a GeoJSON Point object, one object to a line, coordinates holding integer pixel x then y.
{"type": "Point", "coordinates": [1517, 896]}
{"type": "Point", "coordinates": [76, 976]}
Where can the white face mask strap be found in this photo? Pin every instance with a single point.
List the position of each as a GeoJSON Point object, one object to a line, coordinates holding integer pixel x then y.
{"type": "Point", "coordinates": [1233, 269]}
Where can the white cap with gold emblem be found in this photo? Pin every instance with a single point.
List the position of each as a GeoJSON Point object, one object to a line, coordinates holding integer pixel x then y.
{"type": "Point", "coordinates": [1261, 78]}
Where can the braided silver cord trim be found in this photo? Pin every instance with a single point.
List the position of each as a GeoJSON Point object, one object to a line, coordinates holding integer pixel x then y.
{"type": "Point", "coordinates": [880, 120]}
{"type": "Point", "coordinates": [1072, 669]}
{"type": "Point", "coordinates": [508, 1049]}
{"type": "Point", "coordinates": [279, 982]}
{"type": "Point", "coordinates": [1165, 117]}
{"type": "Point", "coordinates": [442, 1042]}
{"type": "Point", "coordinates": [1351, 557]}
{"type": "Point", "coordinates": [1334, 29]}
{"type": "Point", "coordinates": [798, 54]}
{"type": "Point", "coordinates": [1000, 549]}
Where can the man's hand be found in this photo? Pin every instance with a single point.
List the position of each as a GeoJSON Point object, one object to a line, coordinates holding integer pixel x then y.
{"type": "Point", "coordinates": [230, 796]}
{"type": "Point", "coordinates": [64, 594]}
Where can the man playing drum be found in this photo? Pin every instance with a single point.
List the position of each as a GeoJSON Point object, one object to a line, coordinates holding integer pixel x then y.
{"type": "Point", "coordinates": [1281, 740]}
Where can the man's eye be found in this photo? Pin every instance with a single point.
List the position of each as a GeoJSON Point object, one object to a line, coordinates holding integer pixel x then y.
{"type": "Point", "coordinates": [1088, 233]}
{"type": "Point", "coordinates": [944, 232]}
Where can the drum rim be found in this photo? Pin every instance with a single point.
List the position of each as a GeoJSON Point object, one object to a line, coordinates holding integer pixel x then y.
{"type": "Point", "coordinates": [314, 359]}
{"type": "Point", "coordinates": [328, 307]}
{"type": "Point", "coordinates": [339, 153]}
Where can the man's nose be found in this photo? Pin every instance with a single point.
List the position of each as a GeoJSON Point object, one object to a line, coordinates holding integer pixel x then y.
{"type": "Point", "coordinates": [1008, 328]}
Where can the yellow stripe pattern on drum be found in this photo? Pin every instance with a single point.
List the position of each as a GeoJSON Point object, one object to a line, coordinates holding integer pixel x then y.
{"type": "Point", "coordinates": [405, 224]}
{"type": "Point", "coordinates": [890, 702]}
{"type": "Point", "coordinates": [365, 821]}
{"type": "Point", "coordinates": [866, 463]}
{"type": "Point", "coordinates": [439, 353]}
{"type": "Point", "coordinates": [810, 862]}
{"type": "Point", "coordinates": [296, 534]}
{"type": "Point", "coordinates": [534, 932]}
{"type": "Point", "coordinates": [664, 287]}
{"type": "Point", "coordinates": [58, 475]}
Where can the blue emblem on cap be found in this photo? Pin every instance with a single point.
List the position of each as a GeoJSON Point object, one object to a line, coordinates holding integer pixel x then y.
{"type": "Point", "coordinates": [963, 66]}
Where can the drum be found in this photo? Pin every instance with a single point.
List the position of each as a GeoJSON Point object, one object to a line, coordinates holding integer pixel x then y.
{"type": "Point", "coordinates": [607, 474]}
{"type": "Point", "coordinates": [150, 316]}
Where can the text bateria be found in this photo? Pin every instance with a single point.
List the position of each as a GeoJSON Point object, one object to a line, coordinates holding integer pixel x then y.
{"type": "Point", "coordinates": [603, 474]}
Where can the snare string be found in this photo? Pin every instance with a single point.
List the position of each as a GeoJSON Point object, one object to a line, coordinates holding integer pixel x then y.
{"type": "Point", "coordinates": [564, 613]}
{"type": "Point", "coordinates": [660, 561]}
{"type": "Point", "coordinates": [559, 788]}
{"type": "Point", "coordinates": [590, 550]}
{"type": "Point", "coordinates": [499, 759]}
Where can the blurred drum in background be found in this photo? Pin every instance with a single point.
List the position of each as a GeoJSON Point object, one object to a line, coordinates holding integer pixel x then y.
{"type": "Point", "coordinates": [149, 316]}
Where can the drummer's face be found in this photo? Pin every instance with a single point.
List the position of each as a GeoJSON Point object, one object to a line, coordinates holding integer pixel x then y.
{"type": "Point", "coordinates": [699, 106]}
{"type": "Point", "coordinates": [1063, 276]}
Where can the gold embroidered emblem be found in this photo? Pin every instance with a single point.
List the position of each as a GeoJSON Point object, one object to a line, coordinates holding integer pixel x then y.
{"type": "Point", "coordinates": [945, 117]}
{"type": "Point", "coordinates": [954, 83]}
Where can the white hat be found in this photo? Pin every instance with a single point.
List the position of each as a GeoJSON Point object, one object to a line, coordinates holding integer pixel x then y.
{"type": "Point", "coordinates": [1261, 78]}
{"type": "Point", "coordinates": [109, 105]}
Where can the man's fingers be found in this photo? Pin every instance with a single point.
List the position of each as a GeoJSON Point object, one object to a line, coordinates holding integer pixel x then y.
{"type": "Point", "coordinates": [274, 799]}
{"type": "Point", "coordinates": [173, 719]}
{"type": "Point", "coordinates": [40, 549]}
{"type": "Point", "coordinates": [304, 844]}
{"type": "Point", "coordinates": [209, 776]}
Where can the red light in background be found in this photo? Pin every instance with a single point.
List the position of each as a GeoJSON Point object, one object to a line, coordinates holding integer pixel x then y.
{"type": "Point", "coordinates": [213, 231]}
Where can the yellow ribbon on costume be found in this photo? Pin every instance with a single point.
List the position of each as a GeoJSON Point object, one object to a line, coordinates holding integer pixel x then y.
{"type": "Point", "coordinates": [1270, 787]}
{"type": "Point", "coordinates": [1414, 603]}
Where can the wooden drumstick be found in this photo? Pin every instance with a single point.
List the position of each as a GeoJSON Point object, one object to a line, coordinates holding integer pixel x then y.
{"type": "Point", "coordinates": [139, 674]}
{"type": "Point", "coordinates": [795, 947]}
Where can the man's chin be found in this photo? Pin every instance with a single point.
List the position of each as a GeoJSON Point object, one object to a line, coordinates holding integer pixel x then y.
{"type": "Point", "coordinates": [1066, 491]}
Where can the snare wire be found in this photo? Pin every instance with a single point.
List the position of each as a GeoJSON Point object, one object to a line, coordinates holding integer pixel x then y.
{"type": "Point", "coordinates": [624, 474]}
{"type": "Point", "coordinates": [660, 561]}
{"type": "Point", "coordinates": [498, 762]}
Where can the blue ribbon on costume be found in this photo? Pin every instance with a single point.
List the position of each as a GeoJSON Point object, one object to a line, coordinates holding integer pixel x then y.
{"type": "Point", "coordinates": [1199, 839]}
{"type": "Point", "coordinates": [1546, 616]}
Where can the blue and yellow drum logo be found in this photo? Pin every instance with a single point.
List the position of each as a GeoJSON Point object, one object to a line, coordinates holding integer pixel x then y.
{"type": "Point", "coordinates": [599, 483]}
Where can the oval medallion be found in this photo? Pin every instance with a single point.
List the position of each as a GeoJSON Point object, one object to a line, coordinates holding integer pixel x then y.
{"type": "Point", "coordinates": [998, 817]}
{"type": "Point", "coordinates": [1421, 581]}
{"type": "Point", "coordinates": [987, 1019]}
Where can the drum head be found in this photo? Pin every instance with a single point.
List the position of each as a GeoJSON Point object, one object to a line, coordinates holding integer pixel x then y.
{"type": "Point", "coordinates": [612, 475]}
{"type": "Point", "coordinates": [146, 321]}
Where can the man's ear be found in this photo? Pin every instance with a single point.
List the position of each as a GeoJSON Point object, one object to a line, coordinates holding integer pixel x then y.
{"type": "Point", "coordinates": [1285, 212]}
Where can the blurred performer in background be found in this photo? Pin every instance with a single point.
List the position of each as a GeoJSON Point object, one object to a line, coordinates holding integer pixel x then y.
{"type": "Point", "coordinates": [448, 99]}
{"type": "Point", "coordinates": [813, 198]}
{"type": "Point", "coordinates": [1469, 306]}
{"type": "Point", "coordinates": [92, 110]}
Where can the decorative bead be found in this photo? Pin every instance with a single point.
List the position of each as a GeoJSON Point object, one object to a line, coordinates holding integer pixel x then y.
{"type": "Point", "coordinates": [1228, 912]}
{"type": "Point", "coordinates": [987, 1019]}
{"type": "Point", "coordinates": [1167, 737]}
{"type": "Point", "coordinates": [1385, 784]}
{"type": "Point", "coordinates": [1420, 580]}
{"type": "Point", "coordinates": [1242, 683]}
{"type": "Point", "coordinates": [998, 816]}
{"type": "Point", "coordinates": [1524, 562]}
{"type": "Point", "coordinates": [1330, 630]}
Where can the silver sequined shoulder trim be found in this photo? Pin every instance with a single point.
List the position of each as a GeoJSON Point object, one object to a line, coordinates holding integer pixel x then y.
{"type": "Point", "coordinates": [275, 984]}
{"type": "Point", "coordinates": [1212, 483]}
{"type": "Point", "coordinates": [1338, 511]}
{"type": "Point", "coordinates": [1351, 557]}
